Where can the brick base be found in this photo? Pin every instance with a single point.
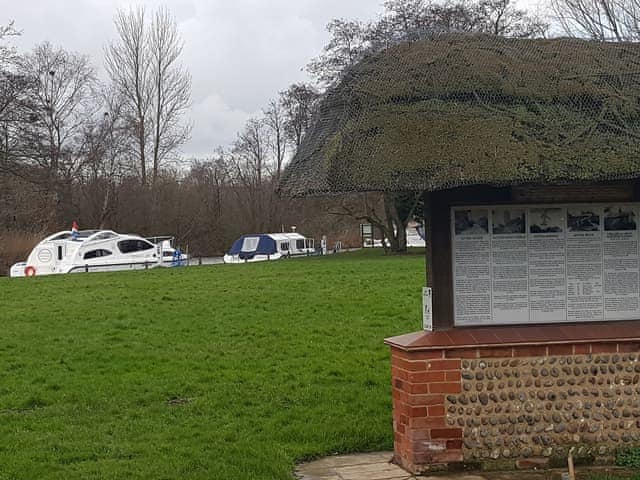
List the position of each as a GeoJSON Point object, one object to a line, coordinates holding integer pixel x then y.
{"type": "Point", "coordinates": [513, 405]}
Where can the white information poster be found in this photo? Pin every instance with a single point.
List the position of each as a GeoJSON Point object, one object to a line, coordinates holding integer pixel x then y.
{"type": "Point", "coordinates": [509, 265]}
{"type": "Point", "coordinates": [519, 264]}
{"type": "Point", "coordinates": [547, 265]}
{"type": "Point", "coordinates": [473, 267]}
{"type": "Point", "coordinates": [584, 264]}
{"type": "Point", "coordinates": [621, 271]}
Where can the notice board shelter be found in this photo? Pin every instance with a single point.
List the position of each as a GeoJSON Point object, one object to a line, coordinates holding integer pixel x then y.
{"type": "Point", "coordinates": [528, 154]}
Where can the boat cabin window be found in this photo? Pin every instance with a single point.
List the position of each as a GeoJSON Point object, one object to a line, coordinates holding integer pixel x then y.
{"type": "Point", "coordinates": [80, 235]}
{"type": "Point", "coordinates": [309, 242]}
{"type": "Point", "coordinates": [132, 246]}
{"type": "Point", "coordinates": [284, 246]}
{"type": "Point", "coordinates": [96, 254]}
{"type": "Point", "coordinates": [62, 236]}
{"type": "Point", "coordinates": [104, 236]}
{"type": "Point", "coordinates": [300, 244]}
{"type": "Point", "coordinates": [59, 252]}
{"type": "Point", "coordinates": [250, 244]}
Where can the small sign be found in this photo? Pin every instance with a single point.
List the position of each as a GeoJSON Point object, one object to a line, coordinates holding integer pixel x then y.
{"type": "Point", "coordinates": [427, 309]}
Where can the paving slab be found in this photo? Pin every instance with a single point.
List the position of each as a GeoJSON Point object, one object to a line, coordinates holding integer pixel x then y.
{"type": "Point", "coordinates": [357, 459]}
{"type": "Point", "coordinates": [376, 471]}
{"type": "Point", "coordinates": [378, 466]}
{"type": "Point", "coordinates": [367, 466]}
{"type": "Point", "coordinates": [458, 476]}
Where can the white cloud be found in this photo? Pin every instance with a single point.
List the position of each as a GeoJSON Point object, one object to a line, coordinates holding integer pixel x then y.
{"type": "Point", "coordinates": [215, 124]}
{"type": "Point", "coordinates": [240, 53]}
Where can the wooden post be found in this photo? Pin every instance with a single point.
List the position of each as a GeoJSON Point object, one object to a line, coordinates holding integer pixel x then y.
{"type": "Point", "coordinates": [572, 471]}
{"type": "Point", "coordinates": [428, 239]}
{"type": "Point", "coordinates": [427, 298]}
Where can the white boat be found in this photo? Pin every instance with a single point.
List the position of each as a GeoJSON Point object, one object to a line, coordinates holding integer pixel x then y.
{"type": "Point", "coordinates": [415, 235]}
{"type": "Point", "coordinates": [96, 251]}
{"type": "Point", "coordinates": [269, 246]}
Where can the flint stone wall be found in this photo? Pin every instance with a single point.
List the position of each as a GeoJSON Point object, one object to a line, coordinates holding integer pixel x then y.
{"type": "Point", "coordinates": [541, 407]}
{"type": "Point", "coordinates": [512, 406]}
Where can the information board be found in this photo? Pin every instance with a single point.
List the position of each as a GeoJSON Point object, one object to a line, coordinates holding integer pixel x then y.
{"type": "Point", "coordinates": [520, 264]}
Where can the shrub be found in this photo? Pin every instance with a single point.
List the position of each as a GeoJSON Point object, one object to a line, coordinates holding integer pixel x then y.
{"type": "Point", "coordinates": [629, 458]}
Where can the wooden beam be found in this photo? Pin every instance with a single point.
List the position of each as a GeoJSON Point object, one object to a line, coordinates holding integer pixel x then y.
{"type": "Point", "coordinates": [428, 236]}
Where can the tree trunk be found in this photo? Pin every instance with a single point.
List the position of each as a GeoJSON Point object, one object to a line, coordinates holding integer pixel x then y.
{"type": "Point", "coordinates": [157, 134]}
{"type": "Point", "coordinates": [397, 229]}
{"type": "Point", "coordinates": [143, 159]}
{"type": "Point", "coordinates": [106, 207]}
{"type": "Point", "coordinates": [65, 210]}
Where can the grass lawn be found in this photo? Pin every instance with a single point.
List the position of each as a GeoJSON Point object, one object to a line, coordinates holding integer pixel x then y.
{"type": "Point", "coordinates": [609, 477]}
{"type": "Point", "coordinates": [226, 372]}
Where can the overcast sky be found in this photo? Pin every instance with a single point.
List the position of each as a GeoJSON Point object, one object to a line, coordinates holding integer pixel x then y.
{"type": "Point", "coordinates": [240, 53]}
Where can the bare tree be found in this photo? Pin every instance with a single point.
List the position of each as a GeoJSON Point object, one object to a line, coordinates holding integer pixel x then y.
{"type": "Point", "coordinates": [413, 19]}
{"type": "Point", "coordinates": [274, 117]}
{"type": "Point", "coordinates": [208, 182]}
{"type": "Point", "coordinates": [299, 102]}
{"type": "Point", "coordinates": [129, 68]}
{"type": "Point", "coordinates": [7, 51]}
{"type": "Point", "coordinates": [52, 146]}
{"type": "Point", "coordinates": [143, 65]}
{"type": "Point", "coordinates": [408, 15]}
{"type": "Point", "coordinates": [171, 88]}
{"type": "Point", "coordinates": [251, 148]}
{"type": "Point", "coordinates": [369, 209]}
{"type": "Point", "coordinates": [108, 159]}
{"type": "Point", "coordinates": [16, 94]}
{"type": "Point", "coordinates": [251, 168]}
{"type": "Point", "coordinates": [13, 88]}
{"type": "Point", "coordinates": [403, 19]}
{"type": "Point", "coordinates": [347, 45]}
{"type": "Point", "coordinates": [602, 20]}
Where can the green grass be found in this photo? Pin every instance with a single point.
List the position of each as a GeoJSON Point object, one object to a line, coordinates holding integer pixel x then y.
{"type": "Point", "coordinates": [629, 458]}
{"type": "Point", "coordinates": [613, 477]}
{"type": "Point", "coordinates": [228, 372]}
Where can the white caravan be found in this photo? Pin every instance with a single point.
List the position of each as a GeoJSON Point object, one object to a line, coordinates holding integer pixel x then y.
{"type": "Point", "coordinates": [269, 246]}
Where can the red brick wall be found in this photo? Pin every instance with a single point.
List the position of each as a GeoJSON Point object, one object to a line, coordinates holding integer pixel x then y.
{"type": "Point", "coordinates": [421, 382]}
{"type": "Point", "coordinates": [425, 381]}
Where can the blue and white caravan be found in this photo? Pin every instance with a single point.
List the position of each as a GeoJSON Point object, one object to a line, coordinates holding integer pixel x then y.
{"type": "Point", "coordinates": [269, 246]}
{"type": "Point", "coordinates": [79, 251]}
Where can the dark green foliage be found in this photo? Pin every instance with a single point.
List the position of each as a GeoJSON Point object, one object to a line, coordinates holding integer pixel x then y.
{"type": "Point", "coordinates": [613, 477]}
{"type": "Point", "coordinates": [629, 458]}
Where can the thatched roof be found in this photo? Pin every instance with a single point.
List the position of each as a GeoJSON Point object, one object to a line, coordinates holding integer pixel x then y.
{"type": "Point", "coordinates": [458, 110]}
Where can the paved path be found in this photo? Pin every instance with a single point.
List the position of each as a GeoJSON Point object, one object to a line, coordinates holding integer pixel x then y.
{"type": "Point", "coordinates": [377, 466]}
{"type": "Point", "coordinates": [365, 466]}
{"type": "Point", "coordinates": [369, 466]}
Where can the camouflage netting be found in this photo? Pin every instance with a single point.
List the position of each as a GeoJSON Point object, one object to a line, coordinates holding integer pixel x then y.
{"type": "Point", "coordinates": [456, 110]}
